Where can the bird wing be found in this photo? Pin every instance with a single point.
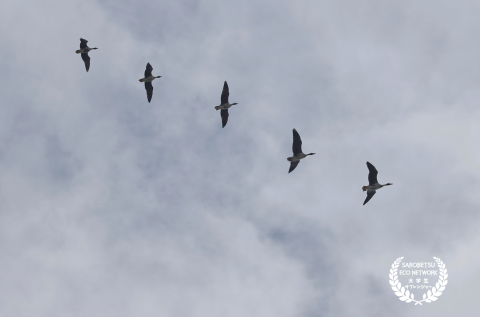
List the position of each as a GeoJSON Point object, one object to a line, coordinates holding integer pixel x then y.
{"type": "Point", "coordinates": [86, 60]}
{"type": "Point", "coordinates": [293, 165]}
{"type": "Point", "coordinates": [297, 143]}
{"type": "Point", "coordinates": [225, 93]}
{"type": "Point", "coordinates": [149, 89]}
{"type": "Point", "coordinates": [370, 194]}
{"type": "Point", "coordinates": [224, 115]}
{"type": "Point", "coordinates": [83, 43]}
{"type": "Point", "coordinates": [372, 176]}
{"type": "Point", "coordinates": [148, 70]}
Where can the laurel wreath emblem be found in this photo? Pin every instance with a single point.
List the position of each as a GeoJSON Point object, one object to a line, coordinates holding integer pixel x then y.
{"type": "Point", "coordinates": [430, 296]}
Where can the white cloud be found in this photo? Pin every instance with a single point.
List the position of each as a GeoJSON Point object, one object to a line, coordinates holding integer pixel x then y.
{"type": "Point", "coordinates": [111, 206]}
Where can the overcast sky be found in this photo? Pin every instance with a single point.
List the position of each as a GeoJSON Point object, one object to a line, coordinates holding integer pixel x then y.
{"type": "Point", "coordinates": [112, 206]}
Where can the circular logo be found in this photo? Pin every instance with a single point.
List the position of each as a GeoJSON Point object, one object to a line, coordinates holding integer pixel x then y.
{"type": "Point", "coordinates": [418, 271]}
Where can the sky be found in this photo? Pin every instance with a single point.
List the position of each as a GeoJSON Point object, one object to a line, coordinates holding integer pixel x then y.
{"type": "Point", "coordinates": [112, 206]}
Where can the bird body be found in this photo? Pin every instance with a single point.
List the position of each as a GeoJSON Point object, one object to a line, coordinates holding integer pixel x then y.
{"type": "Point", "coordinates": [298, 157]}
{"type": "Point", "coordinates": [147, 79]}
{"type": "Point", "coordinates": [84, 49]}
{"type": "Point", "coordinates": [297, 151]}
{"type": "Point", "coordinates": [374, 187]}
{"type": "Point", "coordinates": [224, 104]}
{"type": "Point", "coordinates": [373, 184]}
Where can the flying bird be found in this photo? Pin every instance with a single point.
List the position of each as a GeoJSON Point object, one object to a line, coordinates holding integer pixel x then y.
{"type": "Point", "coordinates": [148, 81]}
{"type": "Point", "coordinates": [224, 105]}
{"type": "Point", "coordinates": [297, 151]}
{"type": "Point", "coordinates": [84, 49]}
{"type": "Point", "coordinates": [373, 184]}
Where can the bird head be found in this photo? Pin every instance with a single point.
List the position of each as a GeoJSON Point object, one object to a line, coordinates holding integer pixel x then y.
{"type": "Point", "coordinates": [364, 188]}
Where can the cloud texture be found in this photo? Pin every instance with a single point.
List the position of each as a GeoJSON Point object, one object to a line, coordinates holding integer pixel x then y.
{"type": "Point", "coordinates": [110, 206]}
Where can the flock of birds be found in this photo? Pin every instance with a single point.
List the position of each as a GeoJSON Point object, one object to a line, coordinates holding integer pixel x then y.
{"type": "Point", "coordinates": [298, 155]}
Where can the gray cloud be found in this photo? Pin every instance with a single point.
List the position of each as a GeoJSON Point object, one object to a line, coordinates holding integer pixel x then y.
{"type": "Point", "coordinates": [110, 206]}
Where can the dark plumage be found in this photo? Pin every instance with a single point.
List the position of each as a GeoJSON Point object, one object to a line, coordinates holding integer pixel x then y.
{"type": "Point", "coordinates": [225, 93]}
{"type": "Point", "coordinates": [373, 184]}
{"type": "Point", "coordinates": [293, 165]}
{"type": "Point", "coordinates": [86, 60]}
{"type": "Point", "coordinates": [224, 105]}
{"type": "Point", "coordinates": [372, 175]}
{"type": "Point", "coordinates": [224, 115]}
{"type": "Point", "coordinates": [147, 79]}
{"type": "Point", "coordinates": [83, 43]}
{"type": "Point", "coordinates": [149, 89]}
{"type": "Point", "coordinates": [297, 151]}
{"type": "Point", "coordinates": [148, 70]}
{"type": "Point", "coordinates": [370, 194]}
{"type": "Point", "coordinates": [84, 49]}
{"type": "Point", "coordinates": [297, 143]}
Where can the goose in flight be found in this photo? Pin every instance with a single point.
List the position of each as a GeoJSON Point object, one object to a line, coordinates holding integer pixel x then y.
{"type": "Point", "coordinates": [297, 151]}
{"type": "Point", "coordinates": [84, 49]}
{"type": "Point", "coordinates": [373, 184]}
{"type": "Point", "coordinates": [224, 105]}
{"type": "Point", "coordinates": [148, 81]}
